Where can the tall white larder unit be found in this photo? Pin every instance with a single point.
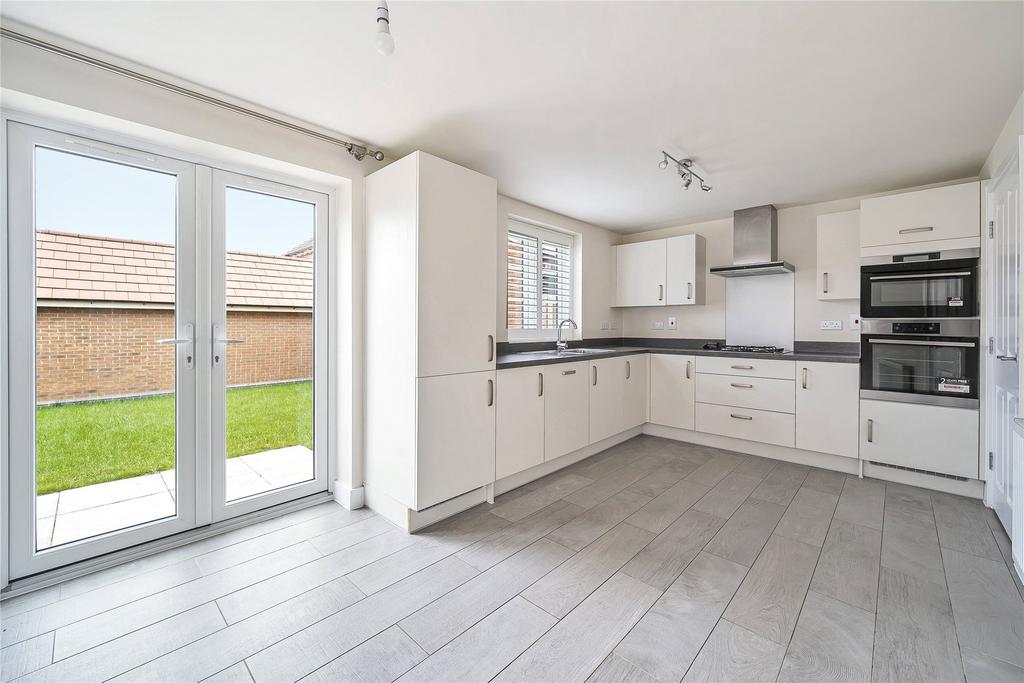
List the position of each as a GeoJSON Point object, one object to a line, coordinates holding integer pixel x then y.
{"type": "Point", "coordinates": [431, 296]}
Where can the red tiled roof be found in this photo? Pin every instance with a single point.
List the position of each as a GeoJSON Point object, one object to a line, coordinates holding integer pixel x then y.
{"type": "Point", "coordinates": [82, 267]}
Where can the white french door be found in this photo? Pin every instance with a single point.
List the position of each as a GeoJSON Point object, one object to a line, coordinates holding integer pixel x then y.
{"type": "Point", "coordinates": [1003, 259]}
{"type": "Point", "coordinates": [166, 346]}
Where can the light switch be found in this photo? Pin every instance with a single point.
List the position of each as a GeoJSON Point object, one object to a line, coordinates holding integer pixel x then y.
{"type": "Point", "coordinates": [855, 321]}
{"type": "Point", "coordinates": [672, 323]}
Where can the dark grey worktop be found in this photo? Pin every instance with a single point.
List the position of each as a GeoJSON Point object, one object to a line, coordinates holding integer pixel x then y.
{"type": "Point", "coordinates": [525, 355]}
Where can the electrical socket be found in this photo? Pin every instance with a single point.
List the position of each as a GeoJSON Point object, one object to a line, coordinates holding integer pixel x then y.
{"type": "Point", "coordinates": [615, 325]}
{"type": "Point", "coordinates": [658, 325]}
{"type": "Point", "coordinates": [831, 325]}
{"type": "Point", "coordinates": [672, 323]}
{"type": "Point", "coordinates": [604, 324]}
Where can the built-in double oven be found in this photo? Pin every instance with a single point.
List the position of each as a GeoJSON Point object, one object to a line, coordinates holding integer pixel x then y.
{"type": "Point", "coordinates": [920, 335]}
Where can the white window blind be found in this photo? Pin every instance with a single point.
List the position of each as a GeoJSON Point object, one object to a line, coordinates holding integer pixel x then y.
{"type": "Point", "coordinates": [539, 279]}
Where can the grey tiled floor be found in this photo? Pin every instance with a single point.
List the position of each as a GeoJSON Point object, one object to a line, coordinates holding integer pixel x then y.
{"type": "Point", "coordinates": [654, 560]}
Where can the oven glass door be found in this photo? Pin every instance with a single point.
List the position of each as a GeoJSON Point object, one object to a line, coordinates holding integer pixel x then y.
{"type": "Point", "coordinates": [920, 366]}
{"type": "Point", "coordinates": [946, 290]}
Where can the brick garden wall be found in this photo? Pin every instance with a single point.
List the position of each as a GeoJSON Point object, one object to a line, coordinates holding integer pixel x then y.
{"type": "Point", "coordinates": [98, 352]}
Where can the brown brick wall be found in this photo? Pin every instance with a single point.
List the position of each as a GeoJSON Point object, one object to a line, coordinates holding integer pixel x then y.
{"type": "Point", "coordinates": [98, 352]}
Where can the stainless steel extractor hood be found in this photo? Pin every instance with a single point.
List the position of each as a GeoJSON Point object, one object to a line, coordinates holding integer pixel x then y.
{"type": "Point", "coordinates": [755, 244]}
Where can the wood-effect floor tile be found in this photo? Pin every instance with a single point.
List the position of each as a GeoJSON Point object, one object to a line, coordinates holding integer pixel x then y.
{"type": "Point", "coordinates": [491, 550]}
{"type": "Point", "coordinates": [755, 466]}
{"type": "Point", "coordinates": [732, 653]}
{"type": "Point", "coordinates": [558, 488]}
{"type": "Point", "coordinates": [848, 566]}
{"type": "Point", "coordinates": [963, 526]}
{"type": "Point", "coordinates": [661, 479]}
{"type": "Point", "coordinates": [592, 524]}
{"type": "Point", "coordinates": [716, 469]}
{"type": "Point", "coordinates": [743, 536]}
{"type": "Point", "coordinates": [832, 642]}
{"type": "Point", "coordinates": [781, 484]}
{"type": "Point", "coordinates": [727, 495]}
{"type": "Point", "coordinates": [862, 502]}
{"type": "Point", "coordinates": [656, 515]}
{"type": "Point", "coordinates": [610, 484]}
{"type": "Point", "coordinates": [984, 669]}
{"type": "Point", "coordinates": [615, 669]}
{"type": "Point", "coordinates": [238, 673]}
{"type": "Point", "coordinates": [808, 517]}
{"type": "Point", "coordinates": [25, 657]}
{"type": "Point", "coordinates": [381, 659]}
{"type": "Point", "coordinates": [667, 556]}
{"type": "Point", "coordinates": [825, 481]}
{"type": "Point", "coordinates": [913, 550]}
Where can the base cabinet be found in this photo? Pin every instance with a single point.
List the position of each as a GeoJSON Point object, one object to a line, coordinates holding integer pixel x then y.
{"type": "Point", "coordinates": [930, 438]}
{"type": "Point", "coordinates": [607, 400]}
{"type": "Point", "coordinates": [519, 438]}
{"type": "Point", "coordinates": [455, 435]}
{"type": "Point", "coordinates": [635, 395]}
{"type": "Point", "coordinates": [827, 404]}
{"type": "Point", "coordinates": [672, 381]}
{"type": "Point", "coordinates": [566, 408]}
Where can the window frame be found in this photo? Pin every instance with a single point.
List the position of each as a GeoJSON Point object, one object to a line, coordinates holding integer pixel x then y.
{"type": "Point", "coordinates": [542, 234]}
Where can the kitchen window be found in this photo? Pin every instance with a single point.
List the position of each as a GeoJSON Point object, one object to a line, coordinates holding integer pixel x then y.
{"type": "Point", "coordinates": [539, 281]}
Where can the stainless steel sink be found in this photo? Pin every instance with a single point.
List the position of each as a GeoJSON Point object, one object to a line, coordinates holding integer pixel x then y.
{"type": "Point", "coordinates": [566, 352]}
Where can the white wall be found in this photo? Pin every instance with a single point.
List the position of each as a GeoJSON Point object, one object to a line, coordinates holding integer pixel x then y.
{"type": "Point", "coordinates": [1008, 139]}
{"type": "Point", "coordinates": [594, 257]}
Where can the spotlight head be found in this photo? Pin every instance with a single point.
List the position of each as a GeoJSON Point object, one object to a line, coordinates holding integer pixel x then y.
{"type": "Point", "coordinates": [687, 179]}
{"type": "Point", "coordinates": [663, 164]}
{"type": "Point", "coordinates": [705, 187]}
{"type": "Point", "coordinates": [379, 156]}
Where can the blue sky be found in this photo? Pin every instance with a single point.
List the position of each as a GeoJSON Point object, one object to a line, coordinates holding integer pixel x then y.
{"type": "Point", "coordinates": [93, 197]}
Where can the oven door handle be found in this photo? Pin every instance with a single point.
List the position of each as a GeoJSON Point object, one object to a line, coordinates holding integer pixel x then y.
{"type": "Point", "coordinates": [907, 342]}
{"type": "Point", "coordinates": [918, 276]}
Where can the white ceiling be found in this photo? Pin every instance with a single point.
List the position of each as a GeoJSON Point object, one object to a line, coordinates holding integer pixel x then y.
{"type": "Point", "coordinates": [569, 104]}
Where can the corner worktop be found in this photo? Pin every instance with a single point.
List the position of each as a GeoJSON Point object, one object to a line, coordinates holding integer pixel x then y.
{"type": "Point", "coordinates": [823, 352]}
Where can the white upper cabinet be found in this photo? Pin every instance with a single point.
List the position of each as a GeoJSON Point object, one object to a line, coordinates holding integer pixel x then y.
{"type": "Point", "coordinates": [827, 404]}
{"type": "Point", "coordinates": [686, 270]}
{"type": "Point", "coordinates": [839, 255]}
{"type": "Point", "coordinates": [672, 381]}
{"type": "Point", "coordinates": [941, 213]}
{"type": "Point", "coordinates": [640, 274]}
{"type": "Point", "coordinates": [607, 397]}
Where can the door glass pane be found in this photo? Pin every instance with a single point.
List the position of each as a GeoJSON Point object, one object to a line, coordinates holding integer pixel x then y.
{"type": "Point", "coordinates": [921, 369]}
{"type": "Point", "coordinates": [269, 281]}
{"type": "Point", "coordinates": [923, 291]}
{"type": "Point", "coordinates": [104, 387]}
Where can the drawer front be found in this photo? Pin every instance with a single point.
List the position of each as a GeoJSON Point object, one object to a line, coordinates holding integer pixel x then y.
{"type": "Point", "coordinates": [778, 395]}
{"type": "Point", "coordinates": [747, 367]}
{"type": "Point", "coordinates": [744, 423]}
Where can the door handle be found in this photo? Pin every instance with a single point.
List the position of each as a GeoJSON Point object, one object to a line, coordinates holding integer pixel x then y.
{"type": "Point", "coordinates": [926, 228]}
{"type": "Point", "coordinates": [540, 376]}
{"type": "Point", "coordinates": [742, 367]}
{"type": "Point", "coordinates": [740, 417]}
{"type": "Point", "coordinates": [188, 339]}
{"type": "Point", "coordinates": [803, 378]}
{"type": "Point", "coordinates": [627, 369]}
{"type": "Point", "coordinates": [490, 348]}
{"type": "Point", "coordinates": [689, 291]}
{"type": "Point", "coordinates": [661, 292]}
{"type": "Point", "coordinates": [741, 386]}
{"type": "Point", "coordinates": [824, 276]}
{"type": "Point", "coordinates": [871, 430]}
{"type": "Point", "coordinates": [1010, 358]}
{"type": "Point", "coordinates": [689, 364]}
{"type": "Point", "coordinates": [490, 393]}
{"type": "Point", "coordinates": [595, 375]}
{"type": "Point", "coordinates": [217, 339]}
{"type": "Point", "coordinates": [568, 372]}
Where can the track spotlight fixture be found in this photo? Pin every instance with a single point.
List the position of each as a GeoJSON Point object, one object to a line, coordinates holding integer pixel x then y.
{"type": "Point", "coordinates": [383, 41]}
{"type": "Point", "coordinates": [685, 170]}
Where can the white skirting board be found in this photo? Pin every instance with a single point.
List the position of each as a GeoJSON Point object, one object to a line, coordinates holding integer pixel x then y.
{"type": "Point", "coordinates": [414, 520]}
{"type": "Point", "coordinates": [348, 498]}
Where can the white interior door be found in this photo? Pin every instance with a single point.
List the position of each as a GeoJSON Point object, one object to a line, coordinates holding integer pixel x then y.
{"type": "Point", "coordinates": [268, 311]}
{"type": "Point", "coordinates": [102, 321]}
{"type": "Point", "coordinates": [1003, 366]}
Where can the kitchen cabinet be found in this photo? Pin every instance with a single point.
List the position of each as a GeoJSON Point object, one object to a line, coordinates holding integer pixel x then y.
{"type": "Point", "coordinates": [746, 367]}
{"type": "Point", "coordinates": [827, 405]}
{"type": "Point", "coordinates": [640, 274]}
{"type": "Point", "coordinates": [673, 381]}
{"type": "Point", "coordinates": [686, 270]}
{"type": "Point", "coordinates": [607, 389]}
{"type": "Point", "coordinates": [519, 438]}
{"type": "Point", "coordinates": [566, 408]}
{"type": "Point", "coordinates": [931, 438]}
{"type": "Point", "coordinates": [746, 392]}
{"type": "Point", "coordinates": [939, 213]}
{"type": "Point", "coordinates": [635, 397]}
{"type": "Point", "coordinates": [838, 261]}
{"type": "Point", "coordinates": [454, 435]}
{"type": "Point", "coordinates": [746, 423]}
{"type": "Point", "coordinates": [428, 441]}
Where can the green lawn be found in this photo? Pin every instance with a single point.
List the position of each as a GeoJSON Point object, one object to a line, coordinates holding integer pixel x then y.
{"type": "Point", "coordinates": [90, 443]}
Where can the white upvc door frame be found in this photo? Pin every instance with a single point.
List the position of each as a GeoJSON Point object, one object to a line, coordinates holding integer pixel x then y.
{"type": "Point", "coordinates": [22, 141]}
{"type": "Point", "coordinates": [220, 508]}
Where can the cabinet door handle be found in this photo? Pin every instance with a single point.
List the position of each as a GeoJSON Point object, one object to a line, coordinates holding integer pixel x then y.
{"type": "Point", "coordinates": [540, 376]}
{"type": "Point", "coordinates": [689, 291]}
{"type": "Point", "coordinates": [661, 292]}
{"type": "Point", "coordinates": [825, 278]}
{"type": "Point", "coordinates": [741, 386]}
{"type": "Point", "coordinates": [595, 375]}
{"type": "Point", "coordinates": [490, 348]}
{"type": "Point", "coordinates": [627, 369]}
{"type": "Point", "coordinates": [568, 372]}
{"type": "Point", "coordinates": [1010, 358]}
{"type": "Point", "coordinates": [925, 228]}
{"type": "Point", "coordinates": [871, 431]}
{"type": "Point", "coordinates": [803, 378]}
{"type": "Point", "coordinates": [740, 417]}
{"type": "Point", "coordinates": [742, 367]}
{"type": "Point", "coordinates": [689, 364]}
{"type": "Point", "coordinates": [490, 393]}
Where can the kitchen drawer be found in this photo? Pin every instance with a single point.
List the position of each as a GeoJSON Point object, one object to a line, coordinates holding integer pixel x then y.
{"type": "Point", "coordinates": [777, 395]}
{"type": "Point", "coordinates": [746, 367]}
{"type": "Point", "coordinates": [931, 438]}
{"type": "Point", "coordinates": [744, 423]}
{"type": "Point", "coordinates": [938, 213]}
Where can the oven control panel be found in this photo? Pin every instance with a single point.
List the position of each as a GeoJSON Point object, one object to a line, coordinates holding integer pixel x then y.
{"type": "Point", "coordinates": [917, 328]}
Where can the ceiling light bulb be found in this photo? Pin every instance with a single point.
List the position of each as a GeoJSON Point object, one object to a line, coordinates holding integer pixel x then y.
{"type": "Point", "coordinates": [687, 179]}
{"type": "Point", "coordinates": [663, 164]}
{"type": "Point", "coordinates": [383, 41]}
